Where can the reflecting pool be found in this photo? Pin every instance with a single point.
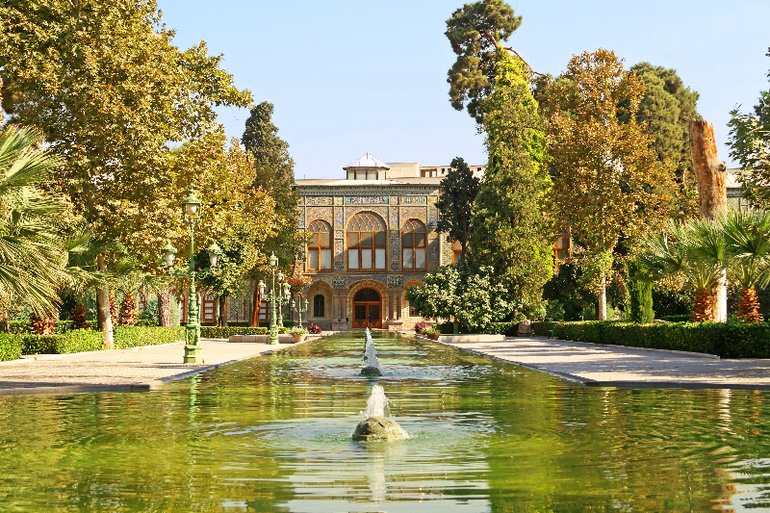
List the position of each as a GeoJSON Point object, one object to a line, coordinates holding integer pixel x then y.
{"type": "Point", "coordinates": [273, 435]}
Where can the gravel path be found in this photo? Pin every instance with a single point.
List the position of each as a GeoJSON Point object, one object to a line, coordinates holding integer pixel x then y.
{"type": "Point", "coordinates": [620, 366]}
{"type": "Point", "coordinates": [135, 369]}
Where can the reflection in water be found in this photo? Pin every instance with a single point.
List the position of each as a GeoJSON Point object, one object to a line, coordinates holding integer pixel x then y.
{"type": "Point", "coordinates": [273, 435]}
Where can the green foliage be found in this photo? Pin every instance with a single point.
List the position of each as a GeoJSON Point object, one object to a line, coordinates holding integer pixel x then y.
{"type": "Point", "coordinates": [10, 346]}
{"type": "Point", "coordinates": [568, 289]}
{"type": "Point", "coordinates": [274, 174]}
{"type": "Point", "coordinates": [508, 328]}
{"type": "Point", "coordinates": [640, 292]}
{"type": "Point", "coordinates": [62, 326]}
{"type": "Point", "coordinates": [608, 182]}
{"type": "Point", "coordinates": [33, 252]}
{"type": "Point", "coordinates": [667, 108]}
{"type": "Point", "coordinates": [641, 301]}
{"type": "Point", "coordinates": [511, 233]}
{"type": "Point", "coordinates": [727, 340]}
{"type": "Point", "coordinates": [112, 94]}
{"type": "Point", "coordinates": [750, 145]}
{"type": "Point", "coordinates": [458, 194]}
{"type": "Point", "coordinates": [438, 297]}
{"type": "Point", "coordinates": [229, 331]}
{"type": "Point", "coordinates": [76, 341]}
{"type": "Point", "coordinates": [747, 237]}
{"type": "Point", "coordinates": [475, 32]}
{"type": "Point", "coordinates": [470, 296]}
{"type": "Point", "coordinates": [134, 336]}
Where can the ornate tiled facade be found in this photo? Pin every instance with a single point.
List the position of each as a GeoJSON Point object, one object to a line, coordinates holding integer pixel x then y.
{"type": "Point", "coordinates": [338, 296]}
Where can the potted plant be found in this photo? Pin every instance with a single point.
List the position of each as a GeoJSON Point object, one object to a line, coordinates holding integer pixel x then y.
{"type": "Point", "coordinates": [298, 334]}
{"type": "Point", "coordinates": [431, 333]}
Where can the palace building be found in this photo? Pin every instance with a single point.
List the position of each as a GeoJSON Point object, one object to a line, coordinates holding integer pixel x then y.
{"type": "Point", "coordinates": [372, 235]}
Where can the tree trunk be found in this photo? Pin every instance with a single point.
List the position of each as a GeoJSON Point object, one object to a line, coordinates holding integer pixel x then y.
{"type": "Point", "coordinates": [103, 308]}
{"type": "Point", "coordinates": [748, 306]}
{"type": "Point", "coordinates": [164, 308]}
{"type": "Point", "coordinates": [43, 325]}
{"type": "Point", "coordinates": [601, 307]}
{"type": "Point", "coordinates": [224, 311]}
{"type": "Point", "coordinates": [255, 309]}
{"type": "Point", "coordinates": [703, 309]}
{"type": "Point", "coordinates": [712, 191]}
{"type": "Point", "coordinates": [128, 310]}
{"type": "Point", "coordinates": [79, 317]}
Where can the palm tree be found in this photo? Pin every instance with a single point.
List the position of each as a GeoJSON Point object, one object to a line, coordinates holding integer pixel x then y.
{"type": "Point", "coordinates": [695, 251]}
{"type": "Point", "coordinates": [32, 254]}
{"type": "Point", "coordinates": [748, 246]}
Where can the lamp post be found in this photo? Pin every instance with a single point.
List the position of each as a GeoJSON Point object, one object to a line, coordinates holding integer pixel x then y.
{"type": "Point", "coordinates": [302, 305]}
{"type": "Point", "coordinates": [273, 323]}
{"type": "Point", "coordinates": [192, 349]}
{"type": "Point", "coordinates": [285, 292]}
{"type": "Point", "coordinates": [279, 298]}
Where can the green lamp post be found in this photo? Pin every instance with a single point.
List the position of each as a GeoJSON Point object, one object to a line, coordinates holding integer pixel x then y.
{"type": "Point", "coordinates": [192, 349]}
{"type": "Point", "coordinates": [278, 294]}
{"type": "Point", "coordinates": [302, 305]}
{"type": "Point", "coordinates": [273, 322]}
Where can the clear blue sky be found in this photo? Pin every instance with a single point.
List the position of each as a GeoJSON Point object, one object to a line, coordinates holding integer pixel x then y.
{"type": "Point", "coordinates": [354, 76]}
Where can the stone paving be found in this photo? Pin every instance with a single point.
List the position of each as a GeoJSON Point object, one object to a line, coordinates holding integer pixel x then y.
{"type": "Point", "coordinates": [135, 369]}
{"type": "Point", "coordinates": [620, 366]}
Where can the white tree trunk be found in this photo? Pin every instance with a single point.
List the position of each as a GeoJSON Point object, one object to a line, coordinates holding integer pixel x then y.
{"type": "Point", "coordinates": [720, 308]}
{"type": "Point", "coordinates": [602, 307]}
{"type": "Point", "coordinates": [103, 302]}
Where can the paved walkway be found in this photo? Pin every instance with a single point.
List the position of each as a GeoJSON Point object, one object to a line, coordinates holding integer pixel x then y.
{"type": "Point", "coordinates": [136, 369]}
{"type": "Point", "coordinates": [619, 366]}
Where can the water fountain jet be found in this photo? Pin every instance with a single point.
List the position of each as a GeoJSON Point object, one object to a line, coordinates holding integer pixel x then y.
{"type": "Point", "coordinates": [378, 424]}
{"type": "Point", "coordinates": [370, 357]}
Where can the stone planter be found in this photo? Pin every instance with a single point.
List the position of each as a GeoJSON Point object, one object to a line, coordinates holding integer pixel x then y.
{"type": "Point", "coordinates": [299, 337]}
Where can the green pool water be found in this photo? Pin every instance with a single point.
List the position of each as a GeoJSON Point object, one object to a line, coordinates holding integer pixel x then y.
{"type": "Point", "coordinates": [273, 435]}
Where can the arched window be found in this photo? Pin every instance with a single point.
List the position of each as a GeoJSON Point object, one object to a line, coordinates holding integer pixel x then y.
{"type": "Point", "coordinates": [366, 242]}
{"type": "Point", "coordinates": [413, 245]}
{"type": "Point", "coordinates": [319, 247]}
{"type": "Point", "coordinates": [319, 305]}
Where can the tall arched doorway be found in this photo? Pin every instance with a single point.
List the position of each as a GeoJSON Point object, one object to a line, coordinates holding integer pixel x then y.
{"type": "Point", "coordinates": [367, 309]}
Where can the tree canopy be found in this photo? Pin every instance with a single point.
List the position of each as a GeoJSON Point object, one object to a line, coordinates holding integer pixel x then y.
{"type": "Point", "coordinates": [750, 146]}
{"type": "Point", "coordinates": [112, 94]}
{"type": "Point", "coordinates": [458, 194]}
{"type": "Point", "coordinates": [608, 181]}
{"type": "Point", "coordinates": [476, 32]}
{"type": "Point", "coordinates": [512, 232]}
{"type": "Point", "coordinates": [274, 174]}
{"type": "Point", "coordinates": [667, 108]}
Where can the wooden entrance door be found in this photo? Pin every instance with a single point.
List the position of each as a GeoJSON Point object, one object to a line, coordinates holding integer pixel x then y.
{"type": "Point", "coordinates": [367, 309]}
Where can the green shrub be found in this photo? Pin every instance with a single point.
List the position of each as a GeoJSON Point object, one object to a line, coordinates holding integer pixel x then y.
{"type": "Point", "coordinates": [544, 328]}
{"type": "Point", "coordinates": [731, 340]}
{"type": "Point", "coordinates": [77, 341]}
{"type": "Point", "coordinates": [134, 336]}
{"type": "Point", "coordinates": [10, 346]}
{"type": "Point", "coordinates": [676, 318]}
{"type": "Point", "coordinates": [229, 331]}
{"type": "Point", "coordinates": [74, 341]}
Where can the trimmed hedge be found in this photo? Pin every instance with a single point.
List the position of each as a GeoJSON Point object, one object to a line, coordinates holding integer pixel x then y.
{"type": "Point", "coordinates": [62, 326]}
{"type": "Point", "coordinates": [229, 331]}
{"type": "Point", "coordinates": [10, 346]}
{"type": "Point", "coordinates": [77, 341]}
{"type": "Point", "coordinates": [731, 340]}
{"type": "Point", "coordinates": [508, 328]}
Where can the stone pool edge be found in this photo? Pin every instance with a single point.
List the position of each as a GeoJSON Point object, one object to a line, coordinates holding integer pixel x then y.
{"type": "Point", "coordinates": [698, 380]}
